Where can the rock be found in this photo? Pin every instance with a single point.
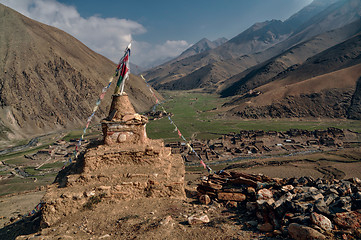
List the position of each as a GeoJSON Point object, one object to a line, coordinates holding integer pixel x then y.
{"type": "Point", "coordinates": [301, 219]}
{"type": "Point", "coordinates": [212, 185]}
{"type": "Point", "coordinates": [104, 188]}
{"type": "Point", "coordinates": [348, 219]}
{"type": "Point", "coordinates": [303, 180]}
{"type": "Point", "coordinates": [265, 204]}
{"type": "Point", "coordinates": [321, 221]}
{"type": "Point", "coordinates": [264, 194]}
{"type": "Point", "coordinates": [265, 227]}
{"type": "Point", "coordinates": [330, 198]}
{"type": "Point", "coordinates": [300, 232]}
{"type": "Point", "coordinates": [167, 221]}
{"type": "Point", "coordinates": [357, 195]}
{"type": "Point", "coordinates": [243, 181]}
{"type": "Point", "coordinates": [205, 199]}
{"type": "Point", "coordinates": [356, 181]}
{"type": "Point", "coordinates": [293, 181]}
{"type": "Point", "coordinates": [251, 206]}
{"type": "Point", "coordinates": [225, 196]}
{"type": "Point", "coordinates": [137, 117]}
{"type": "Point", "coordinates": [317, 196]}
{"type": "Point", "coordinates": [287, 188]}
{"type": "Point", "coordinates": [321, 207]}
{"type": "Point", "coordinates": [300, 207]}
{"type": "Point", "coordinates": [356, 204]}
{"type": "Point", "coordinates": [332, 191]}
{"type": "Point", "coordinates": [129, 117]}
{"type": "Point", "coordinates": [198, 219]}
{"type": "Point", "coordinates": [286, 197]}
{"type": "Point", "coordinates": [251, 224]}
{"type": "Point", "coordinates": [105, 236]}
{"type": "Point", "coordinates": [232, 204]}
{"type": "Point", "coordinates": [341, 205]}
{"type": "Point", "coordinates": [251, 191]}
{"type": "Point", "coordinates": [89, 193]}
{"type": "Point", "coordinates": [277, 232]}
{"type": "Point", "coordinates": [308, 196]}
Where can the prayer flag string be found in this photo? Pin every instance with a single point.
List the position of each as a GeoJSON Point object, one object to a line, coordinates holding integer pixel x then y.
{"type": "Point", "coordinates": [176, 129]}
{"type": "Point", "coordinates": [123, 63]}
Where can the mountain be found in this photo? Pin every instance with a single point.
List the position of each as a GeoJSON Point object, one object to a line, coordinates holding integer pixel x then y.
{"type": "Point", "coordinates": [201, 46]}
{"type": "Point", "coordinates": [220, 41]}
{"type": "Point", "coordinates": [257, 38]}
{"type": "Point", "coordinates": [288, 60]}
{"type": "Point", "coordinates": [259, 43]}
{"type": "Point", "coordinates": [49, 80]}
{"type": "Point", "coordinates": [325, 85]}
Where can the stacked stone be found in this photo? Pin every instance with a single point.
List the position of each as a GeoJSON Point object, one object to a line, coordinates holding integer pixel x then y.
{"type": "Point", "coordinates": [301, 208]}
{"type": "Point", "coordinates": [127, 166]}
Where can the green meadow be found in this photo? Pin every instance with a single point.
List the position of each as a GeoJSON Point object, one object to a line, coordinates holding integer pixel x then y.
{"type": "Point", "coordinates": [196, 118]}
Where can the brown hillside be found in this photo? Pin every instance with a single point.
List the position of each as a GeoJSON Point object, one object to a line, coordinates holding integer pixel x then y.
{"type": "Point", "coordinates": [288, 60]}
{"type": "Point", "coordinates": [323, 86]}
{"type": "Point", "coordinates": [329, 95]}
{"type": "Point", "coordinates": [49, 80]}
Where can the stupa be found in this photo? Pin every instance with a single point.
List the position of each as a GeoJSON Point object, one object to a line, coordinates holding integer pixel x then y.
{"type": "Point", "coordinates": [124, 127]}
{"type": "Point", "coordinates": [126, 165]}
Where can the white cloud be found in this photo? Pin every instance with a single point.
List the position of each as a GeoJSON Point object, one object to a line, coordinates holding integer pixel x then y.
{"type": "Point", "coordinates": [107, 36]}
{"type": "Point", "coordinates": [153, 55]}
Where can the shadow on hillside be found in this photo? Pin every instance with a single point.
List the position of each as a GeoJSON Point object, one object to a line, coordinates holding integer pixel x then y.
{"type": "Point", "coordinates": [25, 226]}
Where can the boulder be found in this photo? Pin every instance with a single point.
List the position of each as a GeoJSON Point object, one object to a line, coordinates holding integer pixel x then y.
{"type": "Point", "coordinates": [265, 227]}
{"type": "Point", "coordinates": [348, 220]}
{"type": "Point", "coordinates": [198, 219]}
{"type": "Point", "coordinates": [301, 232]}
{"type": "Point", "coordinates": [205, 199]}
{"type": "Point", "coordinates": [321, 221]}
{"type": "Point", "coordinates": [226, 196]}
{"type": "Point", "coordinates": [264, 194]}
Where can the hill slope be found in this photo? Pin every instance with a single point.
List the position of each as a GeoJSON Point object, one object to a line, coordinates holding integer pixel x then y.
{"type": "Point", "coordinates": [49, 80]}
{"type": "Point", "coordinates": [288, 60]}
{"type": "Point", "coordinates": [326, 85]}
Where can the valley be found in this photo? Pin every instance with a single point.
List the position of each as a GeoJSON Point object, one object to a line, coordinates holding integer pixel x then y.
{"type": "Point", "coordinates": [257, 132]}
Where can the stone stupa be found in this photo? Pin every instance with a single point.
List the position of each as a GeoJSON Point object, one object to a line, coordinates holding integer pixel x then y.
{"type": "Point", "coordinates": [127, 165]}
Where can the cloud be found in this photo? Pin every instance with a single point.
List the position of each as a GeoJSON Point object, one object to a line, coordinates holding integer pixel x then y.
{"type": "Point", "coordinates": [155, 55]}
{"type": "Point", "coordinates": [107, 36]}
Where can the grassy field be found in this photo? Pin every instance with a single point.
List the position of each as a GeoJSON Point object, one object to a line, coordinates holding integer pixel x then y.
{"type": "Point", "coordinates": [194, 117]}
{"type": "Point", "coordinates": [15, 184]}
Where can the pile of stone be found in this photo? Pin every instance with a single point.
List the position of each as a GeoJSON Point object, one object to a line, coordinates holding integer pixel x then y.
{"type": "Point", "coordinates": [127, 165]}
{"type": "Point", "coordinates": [301, 208]}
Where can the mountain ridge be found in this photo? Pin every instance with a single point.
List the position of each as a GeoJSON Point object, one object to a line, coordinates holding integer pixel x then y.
{"type": "Point", "coordinates": [165, 74]}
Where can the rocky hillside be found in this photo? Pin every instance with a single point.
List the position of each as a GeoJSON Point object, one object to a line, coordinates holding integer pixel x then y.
{"type": "Point", "coordinates": [49, 80]}
{"type": "Point", "coordinates": [289, 60]}
{"type": "Point", "coordinates": [326, 85]}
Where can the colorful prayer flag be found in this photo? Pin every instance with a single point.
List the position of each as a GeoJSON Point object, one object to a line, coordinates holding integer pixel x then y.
{"type": "Point", "coordinates": [123, 66]}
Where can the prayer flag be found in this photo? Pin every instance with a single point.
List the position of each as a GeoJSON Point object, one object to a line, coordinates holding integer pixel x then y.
{"type": "Point", "coordinates": [123, 67]}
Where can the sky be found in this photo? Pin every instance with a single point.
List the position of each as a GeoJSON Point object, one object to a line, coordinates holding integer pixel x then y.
{"type": "Point", "coordinates": [158, 29]}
